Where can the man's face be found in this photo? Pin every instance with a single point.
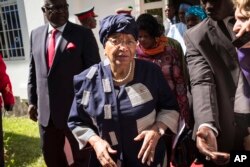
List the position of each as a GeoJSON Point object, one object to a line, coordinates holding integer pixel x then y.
{"type": "Point", "coordinates": [56, 12]}
{"type": "Point", "coordinates": [169, 11]}
{"type": "Point", "coordinates": [92, 22]}
{"type": "Point", "coordinates": [192, 20]}
{"type": "Point", "coordinates": [217, 9]}
{"type": "Point", "coordinates": [241, 20]}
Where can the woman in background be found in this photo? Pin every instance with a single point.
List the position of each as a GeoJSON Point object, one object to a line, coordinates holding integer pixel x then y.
{"type": "Point", "coordinates": [167, 54]}
{"type": "Point", "coordinates": [194, 15]}
{"type": "Point", "coordinates": [8, 99]}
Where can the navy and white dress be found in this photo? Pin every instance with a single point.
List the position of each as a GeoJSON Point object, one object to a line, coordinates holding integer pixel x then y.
{"type": "Point", "coordinates": [119, 113]}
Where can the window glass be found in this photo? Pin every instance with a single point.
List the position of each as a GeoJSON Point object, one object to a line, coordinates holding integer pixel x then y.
{"type": "Point", "coordinates": [148, 1]}
{"type": "Point", "coordinates": [11, 42]}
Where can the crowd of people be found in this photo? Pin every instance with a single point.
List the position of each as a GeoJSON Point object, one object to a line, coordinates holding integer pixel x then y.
{"type": "Point", "coordinates": [190, 72]}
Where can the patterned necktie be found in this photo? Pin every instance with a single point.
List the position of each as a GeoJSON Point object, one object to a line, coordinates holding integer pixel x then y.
{"type": "Point", "coordinates": [51, 47]}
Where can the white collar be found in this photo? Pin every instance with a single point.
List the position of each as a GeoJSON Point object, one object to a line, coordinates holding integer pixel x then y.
{"type": "Point", "coordinates": [58, 28]}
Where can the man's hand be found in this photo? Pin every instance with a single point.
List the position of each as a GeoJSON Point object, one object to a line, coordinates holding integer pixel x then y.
{"type": "Point", "coordinates": [247, 140]}
{"type": "Point", "coordinates": [206, 142]}
{"type": "Point", "coordinates": [32, 112]}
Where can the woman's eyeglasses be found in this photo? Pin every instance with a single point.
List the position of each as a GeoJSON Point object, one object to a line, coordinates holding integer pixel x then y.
{"type": "Point", "coordinates": [117, 42]}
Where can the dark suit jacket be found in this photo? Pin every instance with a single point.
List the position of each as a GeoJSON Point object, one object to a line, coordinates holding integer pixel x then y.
{"type": "Point", "coordinates": [52, 90]}
{"type": "Point", "coordinates": [214, 73]}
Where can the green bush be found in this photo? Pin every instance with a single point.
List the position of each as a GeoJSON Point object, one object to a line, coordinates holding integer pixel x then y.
{"type": "Point", "coordinates": [22, 143]}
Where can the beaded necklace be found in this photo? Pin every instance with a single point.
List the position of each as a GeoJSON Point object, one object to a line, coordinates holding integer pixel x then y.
{"type": "Point", "coordinates": [127, 76]}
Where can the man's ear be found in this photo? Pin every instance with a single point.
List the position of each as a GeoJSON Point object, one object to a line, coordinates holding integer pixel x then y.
{"type": "Point", "coordinates": [43, 9]}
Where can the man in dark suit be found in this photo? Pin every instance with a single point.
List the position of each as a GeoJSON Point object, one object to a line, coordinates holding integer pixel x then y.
{"type": "Point", "coordinates": [50, 84]}
{"type": "Point", "coordinates": [220, 93]}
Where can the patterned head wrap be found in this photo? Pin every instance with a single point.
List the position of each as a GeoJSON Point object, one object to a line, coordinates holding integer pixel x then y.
{"type": "Point", "coordinates": [197, 11]}
{"type": "Point", "coordinates": [121, 23]}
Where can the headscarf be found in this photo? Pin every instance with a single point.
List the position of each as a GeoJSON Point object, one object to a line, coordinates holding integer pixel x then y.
{"type": "Point", "coordinates": [121, 23]}
{"type": "Point", "coordinates": [197, 11]}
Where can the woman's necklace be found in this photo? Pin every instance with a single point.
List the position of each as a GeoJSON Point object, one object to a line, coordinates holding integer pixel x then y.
{"type": "Point", "coordinates": [127, 76]}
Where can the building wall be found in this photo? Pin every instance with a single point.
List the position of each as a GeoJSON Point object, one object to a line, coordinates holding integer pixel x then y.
{"type": "Point", "coordinates": [31, 17]}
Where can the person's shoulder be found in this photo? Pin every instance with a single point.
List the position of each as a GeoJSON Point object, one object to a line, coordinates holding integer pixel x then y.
{"type": "Point", "coordinates": [172, 41]}
{"type": "Point", "coordinates": [201, 27]}
{"type": "Point", "coordinates": [89, 73]}
{"type": "Point", "coordinates": [77, 27]}
{"type": "Point", "coordinates": [38, 29]}
{"type": "Point", "coordinates": [87, 77]}
{"type": "Point", "coordinates": [146, 66]}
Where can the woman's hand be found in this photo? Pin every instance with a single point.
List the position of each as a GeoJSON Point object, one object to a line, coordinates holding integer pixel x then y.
{"type": "Point", "coordinates": [102, 150]}
{"type": "Point", "coordinates": [150, 141]}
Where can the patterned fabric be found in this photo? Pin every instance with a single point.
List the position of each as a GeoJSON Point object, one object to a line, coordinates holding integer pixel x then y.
{"type": "Point", "coordinates": [119, 113]}
{"type": "Point", "coordinates": [197, 11]}
{"type": "Point", "coordinates": [5, 86]}
{"type": "Point", "coordinates": [171, 61]}
{"type": "Point", "coordinates": [160, 42]}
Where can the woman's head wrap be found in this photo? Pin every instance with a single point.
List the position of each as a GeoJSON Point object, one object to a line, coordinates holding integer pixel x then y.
{"type": "Point", "coordinates": [197, 11]}
{"type": "Point", "coordinates": [121, 23]}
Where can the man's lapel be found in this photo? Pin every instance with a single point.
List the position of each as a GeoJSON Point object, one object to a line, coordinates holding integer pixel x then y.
{"type": "Point", "coordinates": [229, 56]}
{"type": "Point", "coordinates": [61, 46]}
{"type": "Point", "coordinates": [44, 48]}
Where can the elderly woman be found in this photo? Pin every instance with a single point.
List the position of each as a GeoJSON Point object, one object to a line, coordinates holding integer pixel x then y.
{"type": "Point", "coordinates": [122, 105]}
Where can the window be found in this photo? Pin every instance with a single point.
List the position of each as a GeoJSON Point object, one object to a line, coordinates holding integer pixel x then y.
{"type": "Point", "coordinates": [149, 1]}
{"type": "Point", "coordinates": [11, 42]}
{"type": "Point", "coordinates": [154, 7]}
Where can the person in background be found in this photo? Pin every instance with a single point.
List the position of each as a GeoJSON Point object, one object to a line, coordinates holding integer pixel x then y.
{"type": "Point", "coordinates": [121, 113]}
{"type": "Point", "coordinates": [171, 17]}
{"type": "Point", "coordinates": [194, 15]}
{"type": "Point", "coordinates": [242, 15]}
{"type": "Point", "coordinates": [220, 103]}
{"type": "Point", "coordinates": [182, 11]}
{"type": "Point", "coordinates": [242, 25]}
{"type": "Point", "coordinates": [177, 30]}
{"type": "Point", "coordinates": [59, 50]}
{"type": "Point", "coordinates": [7, 100]}
{"type": "Point", "coordinates": [127, 10]}
{"type": "Point", "coordinates": [168, 55]}
{"type": "Point", "coordinates": [87, 18]}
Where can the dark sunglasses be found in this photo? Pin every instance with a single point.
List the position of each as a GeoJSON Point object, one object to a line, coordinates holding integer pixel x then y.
{"type": "Point", "coordinates": [53, 8]}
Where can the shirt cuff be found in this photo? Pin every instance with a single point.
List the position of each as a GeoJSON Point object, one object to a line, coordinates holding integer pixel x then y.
{"type": "Point", "coordinates": [209, 125]}
{"type": "Point", "coordinates": [169, 118]}
{"type": "Point", "coordinates": [82, 135]}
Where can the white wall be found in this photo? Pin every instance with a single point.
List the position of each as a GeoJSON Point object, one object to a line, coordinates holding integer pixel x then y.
{"type": "Point", "coordinates": [103, 8]}
{"type": "Point", "coordinates": [31, 17]}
